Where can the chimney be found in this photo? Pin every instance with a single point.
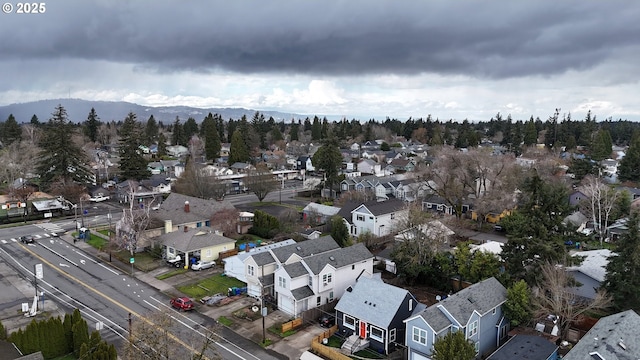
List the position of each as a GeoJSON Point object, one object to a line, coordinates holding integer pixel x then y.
{"type": "Point", "coordinates": [186, 228]}
{"type": "Point", "coordinates": [186, 206]}
{"type": "Point", "coordinates": [168, 226]}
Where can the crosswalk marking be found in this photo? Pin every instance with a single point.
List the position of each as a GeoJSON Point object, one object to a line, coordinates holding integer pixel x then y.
{"type": "Point", "coordinates": [37, 236]}
{"type": "Point", "coordinates": [4, 241]}
{"type": "Point", "coordinates": [14, 240]}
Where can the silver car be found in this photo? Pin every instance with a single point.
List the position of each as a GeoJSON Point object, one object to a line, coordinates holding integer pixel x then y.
{"type": "Point", "coordinates": [201, 265]}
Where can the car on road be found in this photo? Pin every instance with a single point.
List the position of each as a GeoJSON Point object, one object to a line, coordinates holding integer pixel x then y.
{"type": "Point", "coordinates": [203, 264]}
{"type": "Point", "coordinates": [27, 239]}
{"type": "Point", "coordinates": [182, 303]}
{"type": "Point", "coordinates": [99, 198]}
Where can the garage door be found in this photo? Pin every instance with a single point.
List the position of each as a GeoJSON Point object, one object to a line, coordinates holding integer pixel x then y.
{"type": "Point", "coordinates": [416, 356]}
{"type": "Point", "coordinates": [285, 304]}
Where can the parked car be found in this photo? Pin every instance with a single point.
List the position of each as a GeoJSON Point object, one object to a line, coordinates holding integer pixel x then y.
{"type": "Point", "coordinates": [99, 198]}
{"type": "Point", "coordinates": [327, 321]}
{"type": "Point", "coordinates": [201, 265]}
{"type": "Point", "coordinates": [27, 239]}
{"type": "Point", "coordinates": [498, 227]}
{"type": "Point", "coordinates": [182, 303]}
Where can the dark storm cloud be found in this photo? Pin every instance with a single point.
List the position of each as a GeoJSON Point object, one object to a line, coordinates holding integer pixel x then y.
{"type": "Point", "coordinates": [487, 39]}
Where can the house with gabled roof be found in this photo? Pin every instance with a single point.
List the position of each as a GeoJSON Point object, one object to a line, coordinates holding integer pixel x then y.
{"type": "Point", "coordinates": [526, 347]}
{"type": "Point", "coordinates": [202, 243]}
{"type": "Point", "coordinates": [476, 310]}
{"type": "Point", "coordinates": [613, 337]}
{"type": "Point", "coordinates": [179, 211]}
{"type": "Point", "coordinates": [259, 268]}
{"type": "Point", "coordinates": [590, 273]}
{"type": "Point", "coordinates": [371, 314]}
{"type": "Point", "coordinates": [375, 217]}
{"type": "Point", "coordinates": [368, 166]}
{"type": "Point", "coordinates": [319, 278]}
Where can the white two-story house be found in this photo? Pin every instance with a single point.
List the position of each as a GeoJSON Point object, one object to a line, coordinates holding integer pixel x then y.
{"type": "Point", "coordinates": [318, 279]}
{"type": "Point", "coordinates": [377, 217]}
{"type": "Point", "coordinates": [260, 267]}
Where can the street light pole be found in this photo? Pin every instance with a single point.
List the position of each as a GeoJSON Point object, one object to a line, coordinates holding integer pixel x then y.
{"type": "Point", "coordinates": [110, 242]}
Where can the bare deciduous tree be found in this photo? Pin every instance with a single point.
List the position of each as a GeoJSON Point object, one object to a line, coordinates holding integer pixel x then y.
{"type": "Point", "coordinates": [600, 203]}
{"type": "Point", "coordinates": [554, 296]}
{"type": "Point", "coordinates": [16, 161]}
{"type": "Point", "coordinates": [135, 219]}
{"type": "Point", "coordinates": [152, 338]}
{"type": "Point", "coordinates": [226, 220]}
{"type": "Point", "coordinates": [260, 181]}
{"type": "Point", "coordinates": [198, 183]}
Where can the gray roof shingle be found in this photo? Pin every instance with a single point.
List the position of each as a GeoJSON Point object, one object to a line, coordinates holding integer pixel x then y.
{"type": "Point", "coordinates": [373, 300]}
{"type": "Point", "coordinates": [306, 248]}
{"type": "Point", "coordinates": [295, 270]}
{"type": "Point", "coordinates": [194, 239]}
{"type": "Point", "coordinates": [481, 297]}
{"type": "Point", "coordinates": [384, 207]}
{"type": "Point", "coordinates": [173, 208]}
{"type": "Point", "coordinates": [338, 257]}
{"type": "Point", "coordinates": [302, 293]}
{"type": "Point", "coordinates": [611, 331]}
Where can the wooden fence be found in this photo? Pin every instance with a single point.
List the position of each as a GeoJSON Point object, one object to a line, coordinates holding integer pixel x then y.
{"type": "Point", "coordinates": [327, 351]}
{"type": "Point", "coordinates": [293, 324]}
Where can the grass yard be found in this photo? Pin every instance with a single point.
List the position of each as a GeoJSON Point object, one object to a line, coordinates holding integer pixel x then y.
{"type": "Point", "coordinates": [142, 261]}
{"type": "Point", "coordinates": [225, 321]}
{"type": "Point", "coordinates": [335, 342]}
{"type": "Point", "coordinates": [171, 273]}
{"type": "Point", "coordinates": [210, 286]}
{"type": "Point", "coordinates": [96, 241]}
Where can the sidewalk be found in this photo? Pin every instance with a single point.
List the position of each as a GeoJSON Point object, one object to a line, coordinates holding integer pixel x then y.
{"type": "Point", "coordinates": [292, 346]}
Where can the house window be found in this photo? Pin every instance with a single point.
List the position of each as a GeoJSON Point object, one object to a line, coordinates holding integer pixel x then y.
{"type": "Point", "coordinates": [250, 270]}
{"type": "Point", "coordinates": [199, 224]}
{"type": "Point", "coordinates": [376, 334]}
{"type": "Point", "coordinates": [419, 335]}
{"type": "Point", "coordinates": [477, 347]}
{"type": "Point", "coordinates": [326, 278]}
{"type": "Point", "coordinates": [393, 216]}
{"type": "Point", "coordinates": [349, 322]}
{"type": "Point", "coordinates": [207, 223]}
{"type": "Point", "coordinates": [207, 253]}
{"type": "Point", "coordinates": [494, 311]}
{"type": "Point", "coordinates": [318, 301]}
{"type": "Point", "coordinates": [330, 296]}
{"type": "Point", "coordinates": [473, 329]}
{"type": "Point", "coordinates": [172, 251]}
{"type": "Point", "coordinates": [353, 266]}
{"type": "Point", "coordinates": [310, 281]}
{"type": "Point", "coordinates": [392, 335]}
{"type": "Point", "coordinates": [428, 206]}
{"type": "Point", "coordinates": [439, 207]}
{"type": "Point", "coordinates": [282, 282]}
{"type": "Point", "coordinates": [360, 217]}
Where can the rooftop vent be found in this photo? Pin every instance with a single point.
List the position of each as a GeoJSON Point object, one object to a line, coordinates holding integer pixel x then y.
{"type": "Point", "coordinates": [298, 248]}
{"type": "Point", "coordinates": [622, 345]}
{"type": "Point", "coordinates": [332, 258]}
{"type": "Point", "coordinates": [186, 206]}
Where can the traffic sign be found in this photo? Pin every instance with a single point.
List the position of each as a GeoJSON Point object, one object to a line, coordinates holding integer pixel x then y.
{"type": "Point", "coordinates": [131, 260]}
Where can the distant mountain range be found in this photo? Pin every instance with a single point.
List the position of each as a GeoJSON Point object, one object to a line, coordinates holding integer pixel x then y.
{"type": "Point", "coordinates": [78, 109]}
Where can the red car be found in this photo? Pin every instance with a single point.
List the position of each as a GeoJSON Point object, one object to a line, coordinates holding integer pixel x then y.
{"type": "Point", "coordinates": [182, 303]}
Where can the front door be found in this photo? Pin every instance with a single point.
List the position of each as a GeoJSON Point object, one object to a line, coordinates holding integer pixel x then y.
{"type": "Point", "coordinates": [363, 329]}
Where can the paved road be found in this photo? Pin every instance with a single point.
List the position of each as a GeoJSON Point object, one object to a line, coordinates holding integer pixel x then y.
{"type": "Point", "coordinates": [74, 279]}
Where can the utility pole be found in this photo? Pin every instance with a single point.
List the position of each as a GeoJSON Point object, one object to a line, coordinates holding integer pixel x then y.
{"type": "Point", "coordinates": [110, 240]}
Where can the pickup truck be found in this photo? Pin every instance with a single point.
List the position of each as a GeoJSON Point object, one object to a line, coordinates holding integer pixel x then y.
{"type": "Point", "coordinates": [99, 198]}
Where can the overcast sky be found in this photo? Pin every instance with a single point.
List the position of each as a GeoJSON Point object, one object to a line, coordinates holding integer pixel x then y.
{"type": "Point", "coordinates": [354, 58]}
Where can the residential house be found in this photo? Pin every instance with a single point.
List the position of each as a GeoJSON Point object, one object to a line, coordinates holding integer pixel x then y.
{"type": "Point", "coordinates": [612, 337]}
{"type": "Point", "coordinates": [304, 163]}
{"type": "Point", "coordinates": [178, 211]}
{"type": "Point", "coordinates": [245, 222]}
{"type": "Point", "coordinates": [234, 265]}
{"type": "Point", "coordinates": [320, 278]}
{"type": "Point", "coordinates": [202, 243]}
{"type": "Point", "coordinates": [367, 166]}
{"type": "Point", "coordinates": [259, 268]}
{"type": "Point", "coordinates": [377, 218]}
{"type": "Point", "coordinates": [590, 273]}
{"type": "Point", "coordinates": [158, 183]}
{"type": "Point", "coordinates": [617, 229]}
{"type": "Point", "coordinates": [319, 213]}
{"type": "Point", "coordinates": [136, 192]}
{"type": "Point", "coordinates": [577, 197]}
{"type": "Point", "coordinates": [225, 149]}
{"type": "Point", "coordinates": [438, 204]}
{"type": "Point", "coordinates": [241, 168]}
{"type": "Point", "coordinates": [609, 167]}
{"type": "Point", "coordinates": [177, 151]}
{"type": "Point", "coordinates": [529, 347]}
{"type": "Point", "coordinates": [403, 165]}
{"type": "Point", "coordinates": [476, 310]}
{"type": "Point", "coordinates": [434, 229]}
{"type": "Point", "coordinates": [348, 184]}
{"type": "Point", "coordinates": [372, 312]}
{"type": "Point", "coordinates": [310, 234]}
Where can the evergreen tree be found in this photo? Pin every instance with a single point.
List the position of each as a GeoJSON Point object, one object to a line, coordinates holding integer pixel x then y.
{"type": "Point", "coordinates": [210, 133]}
{"type": "Point", "coordinates": [151, 131]}
{"type": "Point", "coordinates": [453, 346]}
{"type": "Point", "coordinates": [91, 125]}
{"type": "Point", "coordinates": [329, 158]}
{"type": "Point", "coordinates": [517, 308]}
{"type": "Point", "coordinates": [3, 332]}
{"type": "Point", "coordinates": [178, 135]}
{"type": "Point", "coordinates": [238, 151]}
{"type": "Point", "coordinates": [11, 131]}
{"type": "Point", "coordinates": [133, 165]}
{"type": "Point", "coordinates": [325, 128]}
{"type": "Point", "coordinates": [35, 121]}
{"type": "Point", "coordinates": [60, 158]}
{"type": "Point", "coordinates": [231, 128]}
{"type": "Point", "coordinates": [530, 136]}
{"type": "Point", "coordinates": [622, 279]}
{"type": "Point", "coordinates": [535, 230]}
{"type": "Point", "coordinates": [293, 132]}
{"type": "Point", "coordinates": [80, 335]}
{"type": "Point", "coordinates": [190, 128]}
{"type": "Point", "coordinates": [339, 231]}
{"type": "Point", "coordinates": [276, 135]}
{"type": "Point", "coordinates": [629, 169]}
{"type": "Point", "coordinates": [601, 146]}
{"type": "Point", "coordinates": [162, 145]}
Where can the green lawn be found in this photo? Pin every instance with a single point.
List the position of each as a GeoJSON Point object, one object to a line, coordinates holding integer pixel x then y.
{"type": "Point", "coordinates": [96, 241]}
{"type": "Point", "coordinates": [211, 285]}
{"type": "Point", "coordinates": [171, 273]}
